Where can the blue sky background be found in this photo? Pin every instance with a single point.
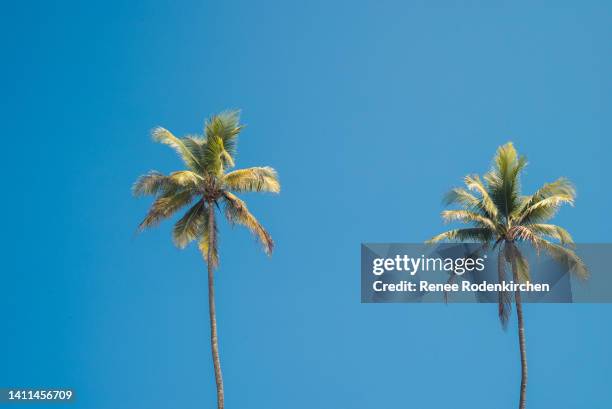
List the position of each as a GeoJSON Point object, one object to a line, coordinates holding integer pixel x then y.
{"type": "Point", "coordinates": [370, 111]}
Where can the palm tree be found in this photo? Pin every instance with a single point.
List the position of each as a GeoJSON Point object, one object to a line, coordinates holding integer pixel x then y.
{"type": "Point", "coordinates": [498, 214]}
{"type": "Point", "coordinates": [206, 184]}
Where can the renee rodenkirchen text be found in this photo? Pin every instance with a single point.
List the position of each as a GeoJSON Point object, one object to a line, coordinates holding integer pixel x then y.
{"type": "Point", "coordinates": [457, 266]}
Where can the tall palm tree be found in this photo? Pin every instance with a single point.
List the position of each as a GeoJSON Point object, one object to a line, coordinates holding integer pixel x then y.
{"type": "Point", "coordinates": [205, 184]}
{"type": "Point", "coordinates": [498, 214]}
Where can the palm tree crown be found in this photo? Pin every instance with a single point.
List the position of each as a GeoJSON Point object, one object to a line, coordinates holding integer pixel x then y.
{"type": "Point", "coordinates": [206, 182]}
{"type": "Point", "coordinates": [498, 214]}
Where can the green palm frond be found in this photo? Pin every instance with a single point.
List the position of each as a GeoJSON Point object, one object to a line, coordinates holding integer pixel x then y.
{"type": "Point", "coordinates": [216, 158]}
{"type": "Point", "coordinates": [165, 206]}
{"type": "Point", "coordinates": [206, 181]}
{"type": "Point", "coordinates": [186, 179]}
{"type": "Point", "coordinates": [478, 234]}
{"type": "Point", "coordinates": [153, 183]}
{"type": "Point", "coordinates": [166, 137]}
{"type": "Point", "coordinates": [566, 257]}
{"type": "Point", "coordinates": [197, 146]}
{"type": "Point", "coordinates": [467, 216]}
{"type": "Point", "coordinates": [226, 126]}
{"type": "Point", "coordinates": [188, 227]}
{"type": "Point", "coordinates": [544, 203]}
{"type": "Point", "coordinates": [553, 231]}
{"type": "Point", "coordinates": [257, 179]}
{"type": "Point", "coordinates": [474, 183]}
{"type": "Point", "coordinates": [463, 198]}
{"type": "Point", "coordinates": [498, 212]}
{"type": "Point", "coordinates": [545, 208]}
{"type": "Point", "coordinates": [503, 181]}
{"type": "Point", "coordinates": [523, 233]}
{"type": "Point", "coordinates": [237, 212]}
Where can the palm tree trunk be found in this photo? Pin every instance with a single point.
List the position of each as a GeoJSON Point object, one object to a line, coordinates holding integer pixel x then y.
{"type": "Point", "coordinates": [211, 307]}
{"type": "Point", "coordinates": [521, 333]}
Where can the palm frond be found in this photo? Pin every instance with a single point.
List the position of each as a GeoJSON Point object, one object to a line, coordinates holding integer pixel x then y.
{"type": "Point", "coordinates": [478, 234]}
{"type": "Point", "coordinates": [553, 231]}
{"type": "Point", "coordinates": [166, 137]}
{"type": "Point", "coordinates": [566, 257]}
{"type": "Point", "coordinates": [545, 202]}
{"type": "Point", "coordinates": [257, 179]}
{"type": "Point", "coordinates": [523, 233]}
{"type": "Point", "coordinates": [186, 179]}
{"type": "Point", "coordinates": [197, 146]}
{"type": "Point", "coordinates": [503, 181]}
{"type": "Point", "coordinates": [189, 227]}
{"type": "Point", "coordinates": [467, 216]}
{"type": "Point", "coordinates": [237, 212]}
{"type": "Point", "coordinates": [165, 206]}
{"type": "Point", "coordinates": [152, 183]}
{"type": "Point", "coordinates": [216, 157]}
{"type": "Point", "coordinates": [474, 183]}
{"type": "Point", "coordinates": [463, 198]}
{"type": "Point", "coordinates": [226, 126]}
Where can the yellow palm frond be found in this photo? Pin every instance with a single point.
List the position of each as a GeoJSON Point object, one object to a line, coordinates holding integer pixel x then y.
{"type": "Point", "coordinates": [166, 137]}
{"type": "Point", "coordinates": [566, 257]}
{"type": "Point", "coordinates": [467, 216]}
{"type": "Point", "coordinates": [225, 125]}
{"type": "Point", "coordinates": [215, 156]}
{"type": "Point", "coordinates": [474, 183]}
{"type": "Point", "coordinates": [188, 227]}
{"type": "Point", "coordinates": [237, 212]}
{"type": "Point", "coordinates": [164, 207]}
{"type": "Point", "coordinates": [153, 183]}
{"type": "Point", "coordinates": [545, 202]}
{"type": "Point", "coordinates": [257, 179]}
{"type": "Point", "coordinates": [553, 231]}
{"type": "Point", "coordinates": [186, 179]}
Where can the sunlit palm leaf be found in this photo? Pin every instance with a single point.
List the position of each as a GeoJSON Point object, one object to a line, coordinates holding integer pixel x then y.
{"type": "Point", "coordinates": [467, 216]}
{"type": "Point", "coordinates": [545, 202]}
{"type": "Point", "coordinates": [258, 179]}
{"type": "Point", "coordinates": [215, 157]}
{"type": "Point", "coordinates": [237, 212]}
{"type": "Point", "coordinates": [226, 126]}
{"type": "Point", "coordinates": [166, 137]}
{"type": "Point", "coordinates": [474, 183]}
{"type": "Point", "coordinates": [153, 183]}
{"type": "Point", "coordinates": [164, 207]}
{"type": "Point", "coordinates": [553, 231]}
{"type": "Point", "coordinates": [566, 257]}
{"type": "Point", "coordinates": [188, 227]}
{"type": "Point", "coordinates": [187, 179]}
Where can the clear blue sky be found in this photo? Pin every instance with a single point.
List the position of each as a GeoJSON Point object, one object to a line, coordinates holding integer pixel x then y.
{"type": "Point", "coordinates": [370, 111]}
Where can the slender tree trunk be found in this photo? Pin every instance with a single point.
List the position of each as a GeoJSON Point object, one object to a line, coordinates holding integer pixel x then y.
{"type": "Point", "coordinates": [521, 332]}
{"type": "Point", "coordinates": [521, 336]}
{"type": "Point", "coordinates": [211, 307]}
